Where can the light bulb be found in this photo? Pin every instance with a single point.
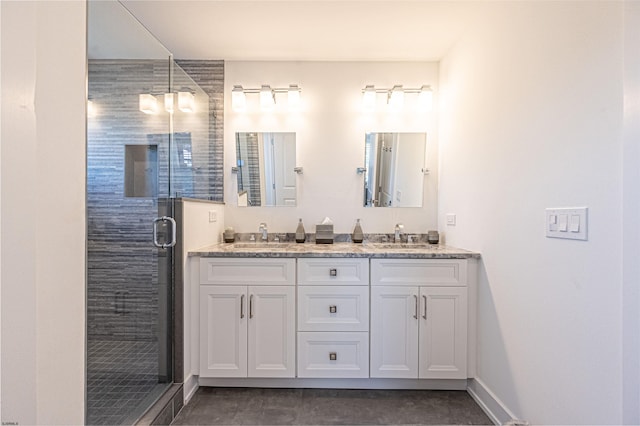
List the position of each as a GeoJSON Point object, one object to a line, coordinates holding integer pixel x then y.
{"type": "Point", "coordinates": [186, 101]}
{"type": "Point", "coordinates": [396, 98]}
{"type": "Point", "coordinates": [267, 98]}
{"type": "Point", "coordinates": [91, 109]}
{"type": "Point", "coordinates": [238, 99]}
{"type": "Point", "coordinates": [168, 102]}
{"type": "Point", "coordinates": [293, 96]}
{"type": "Point", "coordinates": [148, 103]}
{"type": "Point", "coordinates": [369, 98]}
{"type": "Point", "coordinates": [425, 98]}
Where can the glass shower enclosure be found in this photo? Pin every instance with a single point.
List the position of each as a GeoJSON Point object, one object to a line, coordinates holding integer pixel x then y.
{"type": "Point", "coordinates": [142, 137]}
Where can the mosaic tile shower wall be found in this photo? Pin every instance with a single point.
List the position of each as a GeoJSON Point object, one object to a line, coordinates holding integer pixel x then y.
{"type": "Point", "coordinates": [122, 277]}
{"type": "Point", "coordinates": [209, 75]}
{"type": "Point", "coordinates": [122, 289]}
{"type": "Point", "coordinates": [251, 160]}
{"type": "Point", "coordinates": [128, 169]}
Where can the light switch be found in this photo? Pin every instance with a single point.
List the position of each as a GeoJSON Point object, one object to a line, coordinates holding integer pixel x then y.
{"type": "Point", "coordinates": [570, 223]}
{"type": "Point", "coordinates": [562, 223]}
{"type": "Point", "coordinates": [451, 219]}
{"type": "Point", "coordinates": [213, 216]}
{"type": "Point", "coordinates": [574, 223]}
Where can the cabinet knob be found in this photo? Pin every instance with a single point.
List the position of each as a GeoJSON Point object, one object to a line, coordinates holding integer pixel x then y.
{"type": "Point", "coordinates": [333, 272]}
{"type": "Point", "coordinates": [333, 356]}
{"type": "Point", "coordinates": [333, 309]}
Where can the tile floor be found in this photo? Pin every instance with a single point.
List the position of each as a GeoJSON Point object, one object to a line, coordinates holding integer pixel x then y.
{"type": "Point", "coordinates": [120, 377]}
{"type": "Point", "coordinates": [241, 406]}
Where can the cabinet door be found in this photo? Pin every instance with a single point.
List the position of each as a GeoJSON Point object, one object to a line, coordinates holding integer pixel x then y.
{"type": "Point", "coordinates": [223, 331]}
{"type": "Point", "coordinates": [394, 332]}
{"type": "Point", "coordinates": [271, 331]}
{"type": "Point", "coordinates": [443, 333]}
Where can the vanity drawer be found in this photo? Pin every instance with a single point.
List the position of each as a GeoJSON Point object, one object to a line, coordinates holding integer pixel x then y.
{"type": "Point", "coordinates": [330, 271]}
{"type": "Point", "coordinates": [419, 272]}
{"type": "Point", "coordinates": [331, 308]}
{"type": "Point", "coordinates": [335, 355]}
{"type": "Point", "coordinates": [249, 271]}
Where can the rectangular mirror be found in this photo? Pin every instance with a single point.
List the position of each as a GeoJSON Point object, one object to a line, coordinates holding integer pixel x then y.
{"type": "Point", "coordinates": [266, 163]}
{"type": "Point", "coordinates": [395, 164]}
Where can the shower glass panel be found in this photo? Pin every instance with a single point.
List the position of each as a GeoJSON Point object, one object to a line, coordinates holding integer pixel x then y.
{"type": "Point", "coordinates": [137, 162]}
{"type": "Point", "coordinates": [190, 168]}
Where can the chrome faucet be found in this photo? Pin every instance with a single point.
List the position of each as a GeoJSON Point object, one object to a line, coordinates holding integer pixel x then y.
{"type": "Point", "coordinates": [263, 229]}
{"type": "Point", "coordinates": [398, 233]}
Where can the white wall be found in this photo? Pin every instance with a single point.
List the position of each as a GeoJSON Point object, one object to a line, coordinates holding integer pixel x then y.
{"type": "Point", "coordinates": [531, 108]}
{"type": "Point", "coordinates": [198, 232]}
{"type": "Point", "coordinates": [330, 131]}
{"type": "Point", "coordinates": [0, 215]}
{"type": "Point", "coordinates": [631, 213]}
{"type": "Point", "coordinates": [43, 213]}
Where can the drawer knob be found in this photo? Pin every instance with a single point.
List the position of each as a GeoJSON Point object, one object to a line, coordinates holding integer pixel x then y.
{"type": "Point", "coordinates": [333, 272]}
{"type": "Point", "coordinates": [333, 309]}
{"type": "Point", "coordinates": [333, 356]}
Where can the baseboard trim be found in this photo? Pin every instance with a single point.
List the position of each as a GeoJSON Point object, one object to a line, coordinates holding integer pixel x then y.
{"type": "Point", "coordinates": [449, 384]}
{"type": "Point", "coordinates": [164, 410]}
{"type": "Point", "coordinates": [492, 406]}
{"type": "Point", "coordinates": [190, 387]}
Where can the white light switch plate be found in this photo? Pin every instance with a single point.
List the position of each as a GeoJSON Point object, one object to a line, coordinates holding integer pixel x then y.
{"type": "Point", "coordinates": [213, 216]}
{"type": "Point", "coordinates": [569, 223]}
{"type": "Point", "coordinates": [451, 219]}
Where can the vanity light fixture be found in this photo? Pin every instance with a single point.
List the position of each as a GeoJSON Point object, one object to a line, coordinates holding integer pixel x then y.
{"type": "Point", "coordinates": [186, 101]}
{"type": "Point", "coordinates": [238, 99]}
{"type": "Point", "coordinates": [148, 103]}
{"type": "Point", "coordinates": [395, 97]}
{"type": "Point", "coordinates": [267, 96]}
{"type": "Point", "coordinates": [91, 109]}
{"type": "Point", "coordinates": [293, 96]}
{"type": "Point", "coordinates": [425, 98]}
{"type": "Point", "coordinates": [369, 98]}
{"type": "Point", "coordinates": [169, 102]}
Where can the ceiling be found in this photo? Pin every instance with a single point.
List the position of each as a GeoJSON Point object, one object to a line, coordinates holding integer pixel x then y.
{"type": "Point", "coordinates": [327, 30]}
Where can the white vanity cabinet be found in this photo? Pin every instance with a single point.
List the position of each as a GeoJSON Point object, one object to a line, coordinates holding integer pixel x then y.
{"type": "Point", "coordinates": [247, 317]}
{"type": "Point", "coordinates": [419, 318]}
{"type": "Point", "coordinates": [333, 317]}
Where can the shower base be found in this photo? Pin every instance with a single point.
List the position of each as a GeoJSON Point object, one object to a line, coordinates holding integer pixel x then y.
{"type": "Point", "coordinates": [122, 380]}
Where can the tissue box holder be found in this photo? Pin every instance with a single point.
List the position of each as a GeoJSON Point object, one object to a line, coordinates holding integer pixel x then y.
{"type": "Point", "coordinates": [324, 234]}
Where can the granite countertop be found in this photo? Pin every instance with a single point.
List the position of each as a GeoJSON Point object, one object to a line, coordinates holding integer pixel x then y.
{"type": "Point", "coordinates": [342, 249]}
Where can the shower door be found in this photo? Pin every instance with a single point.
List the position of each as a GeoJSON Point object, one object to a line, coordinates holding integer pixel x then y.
{"type": "Point", "coordinates": [130, 230]}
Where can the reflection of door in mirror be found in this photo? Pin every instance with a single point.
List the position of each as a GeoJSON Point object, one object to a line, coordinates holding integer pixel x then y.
{"type": "Point", "coordinates": [370, 149]}
{"type": "Point", "coordinates": [266, 163]}
{"type": "Point", "coordinates": [387, 144]}
{"type": "Point", "coordinates": [394, 169]}
{"type": "Point", "coordinates": [283, 150]}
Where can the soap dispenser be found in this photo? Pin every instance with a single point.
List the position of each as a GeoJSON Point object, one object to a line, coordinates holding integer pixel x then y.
{"type": "Point", "coordinates": [300, 235]}
{"type": "Point", "coordinates": [357, 235]}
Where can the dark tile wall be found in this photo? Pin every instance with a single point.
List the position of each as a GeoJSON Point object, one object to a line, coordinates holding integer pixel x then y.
{"type": "Point", "coordinates": [249, 180]}
{"type": "Point", "coordinates": [122, 263]}
{"type": "Point", "coordinates": [209, 75]}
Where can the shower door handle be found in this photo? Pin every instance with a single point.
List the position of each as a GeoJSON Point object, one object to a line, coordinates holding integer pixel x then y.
{"type": "Point", "coordinates": [173, 232]}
